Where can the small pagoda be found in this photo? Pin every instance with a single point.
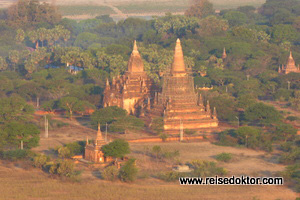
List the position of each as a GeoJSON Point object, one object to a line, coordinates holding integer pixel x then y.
{"type": "Point", "coordinates": [132, 90]}
{"type": "Point", "coordinates": [224, 55]}
{"type": "Point", "coordinates": [93, 151]}
{"type": "Point", "coordinates": [178, 104]}
{"type": "Point", "coordinates": [290, 66]}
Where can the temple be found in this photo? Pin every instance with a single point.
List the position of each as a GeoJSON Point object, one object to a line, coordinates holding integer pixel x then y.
{"type": "Point", "coordinates": [178, 104]}
{"type": "Point", "coordinates": [93, 151]}
{"type": "Point", "coordinates": [290, 66]}
{"type": "Point", "coordinates": [224, 55]}
{"type": "Point", "coordinates": [132, 90]}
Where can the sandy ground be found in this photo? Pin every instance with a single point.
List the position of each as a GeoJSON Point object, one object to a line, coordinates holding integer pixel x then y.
{"type": "Point", "coordinates": [245, 162]}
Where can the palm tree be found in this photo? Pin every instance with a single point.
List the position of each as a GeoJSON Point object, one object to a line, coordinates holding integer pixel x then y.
{"type": "Point", "coordinates": [3, 64]}
{"type": "Point", "coordinates": [42, 32]}
{"type": "Point", "coordinates": [14, 57]}
{"type": "Point", "coordinates": [20, 36]}
{"type": "Point", "coordinates": [33, 36]}
{"type": "Point", "coordinates": [65, 34]}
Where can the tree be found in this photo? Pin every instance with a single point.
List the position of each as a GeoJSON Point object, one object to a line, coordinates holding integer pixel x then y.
{"type": "Point", "coordinates": [3, 64]}
{"type": "Point", "coordinates": [117, 149]}
{"type": "Point", "coordinates": [64, 152]}
{"type": "Point", "coordinates": [295, 100]}
{"type": "Point", "coordinates": [50, 105]}
{"type": "Point", "coordinates": [40, 160]}
{"type": "Point", "coordinates": [235, 18]}
{"type": "Point", "coordinates": [175, 25]}
{"type": "Point", "coordinates": [127, 123]}
{"type": "Point", "coordinates": [285, 132]}
{"type": "Point", "coordinates": [211, 26]}
{"type": "Point", "coordinates": [282, 16]}
{"type": "Point", "coordinates": [225, 106]}
{"type": "Point", "coordinates": [14, 57]}
{"type": "Point", "coordinates": [284, 32]}
{"type": "Point", "coordinates": [156, 150]}
{"type": "Point", "coordinates": [85, 39]}
{"type": "Point", "coordinates": [110, 173]}
{"type": "Point", "coordinates": [65, 168]}
{"type": "Point", "coordinates": [262, 114]}
{"type": "Point", "coordinates": [19, 131]}
{"type": "Point", "coordinates": [157, 125]}
{"type": "Point", "coordinates": [20, 36]}
{"type": "Point", "coordinates": [296, 23]}
{"type": "Point", "coordinates": [65, 34]}
{"type": "Point", "coordinates": [269, 8]}
{"type": "Point", "coordinates": [248, 136]}
{"type": "Point", "coordinates": [200, 9]}
{"type": "Point", "coordinates": [42, 35]}
{"type": "Point", "coordinates": [30, 13]}
{"type": "Point", "coordinates": [33, 36]}
{"type": "Point", "coordinates": [129, 171]}
{"type": "Point", "coordinates": [108, 115]}
{"type": "Point", "coordinates": [245, 100]}
{"type": "Point", "coordinates": [69, 104]}
{"type": "Point", "coordinates": [15, 108]}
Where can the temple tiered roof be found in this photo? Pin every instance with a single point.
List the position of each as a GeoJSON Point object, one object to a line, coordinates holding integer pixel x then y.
{"type": "Point", "coordinates": [178, 103]}
{"type": "Point", "coordinates": [135, 63]}
{"type": "Point", "coordinates": [290, 66]}
{"type": "Point", "coordinates": [178, 67]}
{"type": "Point", "coordinates": [130, 90]}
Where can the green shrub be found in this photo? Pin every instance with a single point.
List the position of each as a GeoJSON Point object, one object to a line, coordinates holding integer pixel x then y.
{"type": "Point", "coordinates": [52, 168]}
{"type": "Point", "coordinates": [171, 154]}
{"type": "Point", "coordinates": [64, 152]}
{"type": "Point", "coordinates": [292, 118]}
{"type": "Point", "coordinates": [170, 176]}
{"type": "Point", "coordinates": [75, 148]}
{"type": "Point", "coordinates": [40, 161]}
{"type": "Point", "coordinates": [157, 125]}
{"type": "Point", "coordinates": [189, 132]}
{"type": "Point", "coordinates": [129, 171]}
{"type": "Point", "coordinates": [282, 94]}
{"type": "Point", "coordinates": [110, 173]}
{"type": "Point", "coordinates": [224, 157]}
{"type": "Point", "coordinates": [163, 136]}
{"type": "Point", "coordinates": [65, 168]}
{"type": "Point", "coordinates": [292, 174]}
{"type": "Point", "coordinates": [287, 146]}
{"type": "Point", "coordinates": [227, 138]}
{"type": "Point", "coordinates": [290, 157]}
{"type": "Point", "coordinates": [206, 168]}
{"type": "Point", "coordinates": [14, 154]}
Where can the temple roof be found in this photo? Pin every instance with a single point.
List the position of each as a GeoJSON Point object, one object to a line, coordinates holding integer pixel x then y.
{"type": "Point", "coordinates": [178, 66]}
{"type": "Point", "coordinates": [135, 63]}
{"type": "Point", "coordinates": [224, 55]}
{"type": "Point", "coordinates": [99, 139]}
{"type": "Point", "coordinates": [291, 62]}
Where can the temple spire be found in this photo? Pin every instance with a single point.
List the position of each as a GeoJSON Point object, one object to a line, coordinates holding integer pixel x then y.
{"type": "Point", "coordinates": [107, 84]}
{"type": "Point", "coordinates": [135, 48]}
{"type": "Point", "coordinates": [224, 55]}
{"type": "Point", "coordinates": [99, 135]}
{"type": "Point", "coordinates": [214, 115]}
{"type": "Point", "coordinates": [178, 67]}
{"type": "Point", "coordinates": [135, 63]}
{"type": "Point", "coordinates": [208, 108]}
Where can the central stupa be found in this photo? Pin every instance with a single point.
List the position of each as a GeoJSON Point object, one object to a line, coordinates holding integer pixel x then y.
{"type": "Point", "coordinates": [178, 104]}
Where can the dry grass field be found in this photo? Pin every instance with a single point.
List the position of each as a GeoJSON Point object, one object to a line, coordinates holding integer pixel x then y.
{"type": "Point", "coordinates": [82, 9]}
{"type": "Point", "coordinates": [32, 184]}
{"type": "Point", "coordinates": [19, 183]}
